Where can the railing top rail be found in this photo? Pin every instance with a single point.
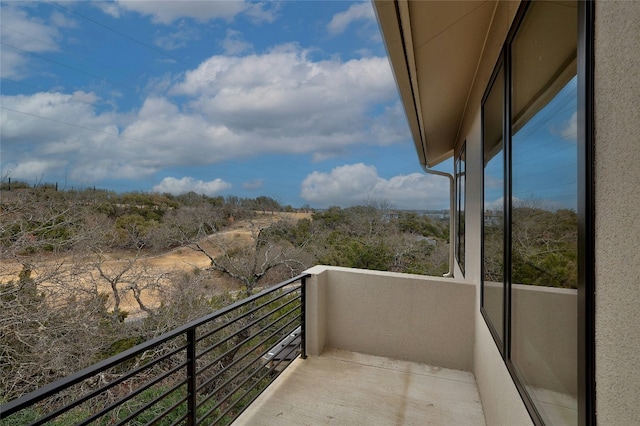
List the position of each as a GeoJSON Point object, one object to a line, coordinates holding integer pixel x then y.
{"type": "Point", "coordinates": [65, 382]}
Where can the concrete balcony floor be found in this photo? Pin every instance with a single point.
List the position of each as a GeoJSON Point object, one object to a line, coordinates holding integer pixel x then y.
{"type": "Point", "coordinates": [348, 388]}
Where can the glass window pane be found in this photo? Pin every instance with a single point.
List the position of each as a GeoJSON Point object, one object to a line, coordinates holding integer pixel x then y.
{"type": "Point", "coordinates": [493, 229]}
{"type": "Point", "coordinates": [544, 201]}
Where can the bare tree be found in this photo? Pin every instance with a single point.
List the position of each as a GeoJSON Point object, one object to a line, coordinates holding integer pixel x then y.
{"type": "Point", "coordinates": [250, 262]}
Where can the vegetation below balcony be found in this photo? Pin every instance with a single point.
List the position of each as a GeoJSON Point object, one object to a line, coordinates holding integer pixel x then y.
{"type": "Point", "coordinates": [85, 275]}
{"type": "Point", "coordinates": [206, 371]}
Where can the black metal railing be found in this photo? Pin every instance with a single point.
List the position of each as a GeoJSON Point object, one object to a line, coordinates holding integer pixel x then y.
{"type": "Point", "coordinates": [205, 372]}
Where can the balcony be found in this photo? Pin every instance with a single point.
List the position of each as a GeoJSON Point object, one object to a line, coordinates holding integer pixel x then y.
{"type": "Point", "coordinates": [383, 348]}
{"type": "Point", "coordinates": [350, 388]}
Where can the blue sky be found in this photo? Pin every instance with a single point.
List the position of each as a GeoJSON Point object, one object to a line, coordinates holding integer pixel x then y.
{"type": "Point", "coordinates": [293, 100]}
{"type": "Point", "coordinates": [544, 158]}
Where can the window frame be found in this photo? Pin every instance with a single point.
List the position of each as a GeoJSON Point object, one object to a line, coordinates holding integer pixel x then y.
{"type": "Point", "coordinates": [460, 217]}
{"type": "Point", "coordinates": [500, 338]}
{"type": "Point", "coordinates": [585, 212]}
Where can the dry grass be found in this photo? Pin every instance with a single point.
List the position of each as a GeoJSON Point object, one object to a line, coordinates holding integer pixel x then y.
{"type": "Point", "coordinates": [162, 265]}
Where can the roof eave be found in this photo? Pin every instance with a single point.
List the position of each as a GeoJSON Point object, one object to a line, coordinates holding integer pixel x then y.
{"type": "Point", "coordinates": [435, 64]}
{"type": "Point", "coordinates": [400, 57]}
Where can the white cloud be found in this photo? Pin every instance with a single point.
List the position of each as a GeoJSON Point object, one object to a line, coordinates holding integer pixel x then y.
{"type": "Point", "coordinates": [108, 8]}
{"type": "Point", "coordinates": [32, 170]}
{"type": "Point", "coordinates": [263, 11]}
{"type": "Point", "coordinates": [253, 184]}
{"type": "Point", "coordinates": [177, 39]}
{"type": "Point", "coordinates": [570, 129]}
{"type": "Point", "coordinates": [356, 12]}
{"type": "Point", "coordinates": [187, 184]}
{"type": "Point", "coordinates": [358, 183]}
{"type": "Point", "coordinates": [40, 116]}
{"type": "Point", "coordinates": [23, 33]}
{"type": "Point", "coordinates": [55, 128]}
{"type": "Point", "coordinates": [62, 21]}
{"type": "Point", "coordinates": [495, 205]}
{"type": "Point", "coordinates": [233, 44]}
{"type": "Point", "coordinates": [280, 102]}
{"type": "Point", "coordinates": [319, 157]}
{"type": "Point", "coordinates": [165, 12]}
{"type": "Point", "coordinates": [290, 103]}
{"type": "Point", "coordinates": [12, 63]}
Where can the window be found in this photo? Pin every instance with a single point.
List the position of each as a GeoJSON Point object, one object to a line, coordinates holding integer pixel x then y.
{"type": "Point", "coordinates": [460, 168]}
{"type": "Point", "coordinates": [530, 249]}
{"type": "Point", "coordinates": [493, 285]}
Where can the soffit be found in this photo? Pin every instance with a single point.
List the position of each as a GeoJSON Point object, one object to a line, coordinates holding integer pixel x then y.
{"type": "Point", "coordinates": [441, 43]}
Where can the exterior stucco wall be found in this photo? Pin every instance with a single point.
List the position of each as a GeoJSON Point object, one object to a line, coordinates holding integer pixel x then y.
{"type": "Point", "coordinates": [501, 401]}
{"type": "Point", "coordinates": [316, 310]}
{"type": "Point", "coordinates": [546, 319]}
{"type": "Point", "coordinates": [617, 194]}
{"type": "Point", "coordinates": [410, 317]}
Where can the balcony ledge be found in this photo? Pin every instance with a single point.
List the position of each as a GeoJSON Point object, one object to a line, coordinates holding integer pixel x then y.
{"type": "Point", "coordinates": [349, 388]}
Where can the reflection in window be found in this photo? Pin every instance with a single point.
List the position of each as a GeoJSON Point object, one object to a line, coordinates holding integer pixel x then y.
{"type": "Point", "coordinates": [529, 288]}
{"type": "Point", "coordinates": [493, 228]}
{"type": "Point", "coordinates": [460, 167]}
{"type": "Point", "coordinates": [543, 214]}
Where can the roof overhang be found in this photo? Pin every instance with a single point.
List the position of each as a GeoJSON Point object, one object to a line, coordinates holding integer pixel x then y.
{"type": "Point", "coordinates": [434, 48]}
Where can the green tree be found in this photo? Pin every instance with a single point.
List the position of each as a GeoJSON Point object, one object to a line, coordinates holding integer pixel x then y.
{"type": "Point", "coordinates": [132, 230]}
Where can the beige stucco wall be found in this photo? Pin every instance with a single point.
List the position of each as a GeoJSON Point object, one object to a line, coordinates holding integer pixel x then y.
{"type": "Point", "coordinates": [501, 401]}
{"type": "Point", "coordinates": [544, 340]}
{"type": "Point", "coordinates": [617, 193]}
{"type": "Point", "coordinates": [316, 310]}
{"type": "Point", "coordinates": [411, 317]}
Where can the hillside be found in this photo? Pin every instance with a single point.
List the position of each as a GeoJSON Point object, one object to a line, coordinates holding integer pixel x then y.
{"type": "Point", "coordinates": [77, 266]}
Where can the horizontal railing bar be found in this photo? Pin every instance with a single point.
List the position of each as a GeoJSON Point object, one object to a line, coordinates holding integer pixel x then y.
{"type": "Point", "coordinates": [50, 389]}
{"type": "Point", "coordinates": [168, 410]}
{"type": "Point", "coordinates": [245, 314]}
{"type": "Point", "coordinates": [234, 320]}
{"type": "Point", "coordinates": [242, 302]}
{"type": "Point", "coordinates": [73, 379]}
{"type": "Point", "coordinates": [152, 402]}
{"type": "Point", "coordinates": [235, 403]}
{"type": "Point", "coordinates": [237, 374]}
{"type": "Point", "coordinates": [213, 393]}
{"type": "Point", "coordinates": [225, 310]}
{"type": "Point", "coordinates": [240, 359]}
{"type": "Point", "coordinates": [65, 382]}
{"type": "Point", "coordinates": [108, 386]}
{"type": "Point", "coordinates": [246, 367]}
{"type": "Point", "coordinates": [179, 421]}
{"type": "Point", "coordinates": [234, 348]}
{"type": "Point", "coordinates": [133, 393]}
{"type": "Point", "coordinates": [240, 344]}
{"type": "Point", "coordinates": [270, 370]}
{"type": "Point", "coordinates": [210, 348]}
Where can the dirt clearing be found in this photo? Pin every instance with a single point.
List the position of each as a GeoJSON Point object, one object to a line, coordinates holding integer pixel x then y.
{"type": "Point", "coordinates": [163, 266]}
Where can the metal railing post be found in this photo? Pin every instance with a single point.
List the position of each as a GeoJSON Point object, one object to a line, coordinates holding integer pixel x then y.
{"type": "Point", "coordinates": [191, 377]}
{"type": "Point", "coordinates": [303, 331]}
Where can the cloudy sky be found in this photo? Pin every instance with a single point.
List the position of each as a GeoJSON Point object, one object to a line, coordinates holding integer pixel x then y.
{"type": "Point", "coordinates": [294, 100]}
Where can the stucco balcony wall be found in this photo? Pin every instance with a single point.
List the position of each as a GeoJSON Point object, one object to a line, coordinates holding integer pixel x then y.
{"type": "Point", "coordinates": [428, 320]}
